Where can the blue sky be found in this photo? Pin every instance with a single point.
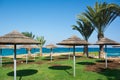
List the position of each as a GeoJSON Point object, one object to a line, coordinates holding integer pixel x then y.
{"type": "Point", "coordinates": [49, 18]}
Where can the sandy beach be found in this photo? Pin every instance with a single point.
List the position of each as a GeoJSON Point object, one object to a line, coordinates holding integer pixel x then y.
{"type": "Point", "coordinates": [44, 54]}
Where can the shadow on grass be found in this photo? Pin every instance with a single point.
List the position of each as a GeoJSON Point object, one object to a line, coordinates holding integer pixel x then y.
{"type": "Point", "coordinates": [66, 55]}
{"type": "Point", "coordinates": [111, 74]}
{"type": "Point", "coordinates": [8, 63]}
{"type": "Point", "coordinates": [103, 61]}
{"type": "Point", "coordinates": [62, 58]}
{"type": "Point", "coordinates": [61, 67]}
{"type": "Point", "coordinates": [77, 56]}
{"type": "Point", "coordinates": [86, 63]}
{"type": "Point", "coordinates": [21, 73]}
{"type": "Point", "coordinates": [47, 58]}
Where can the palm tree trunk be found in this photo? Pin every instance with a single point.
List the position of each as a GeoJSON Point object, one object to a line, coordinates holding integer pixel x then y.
{"type": "Point", "coordinates": [41, 51]}
{"type": "Point", "coordinates": [101, 47]}
{"type": "Point", "coordinates": [86, 50]}
{"type": "Point", "coordinates": [101, 52]}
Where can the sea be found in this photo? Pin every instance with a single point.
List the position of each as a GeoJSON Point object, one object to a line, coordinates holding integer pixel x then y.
{"type": "Point", "coordinates": [114, 52]}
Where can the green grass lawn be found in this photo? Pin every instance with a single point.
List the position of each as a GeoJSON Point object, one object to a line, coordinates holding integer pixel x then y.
{"type": "Point", "coordinates": [58, 69]}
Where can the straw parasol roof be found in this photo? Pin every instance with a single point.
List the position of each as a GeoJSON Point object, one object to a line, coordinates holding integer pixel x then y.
{"type": "Point", "coordinates": [106, 41]}
{"type": "Point", "coordinates": [73, 40]}
{"type": "Point", "coordinates": [15, 37]}
{"type": "Point", "coordinates": [51, 46]}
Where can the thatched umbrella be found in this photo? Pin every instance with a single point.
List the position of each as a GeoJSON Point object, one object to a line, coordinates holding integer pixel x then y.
{"type": "Point", "coordinates": [73, 41]}
{"type": "Point", "coordinates": [2, 47]}
{"type": "Point", "coordinates": [106, 41]}
{"type": "Point", "coordinates": [28, 47]}
{"type": "Point", "coordinates": [16, 38]}
{"type": "Point", "coordinates": [51, 46]}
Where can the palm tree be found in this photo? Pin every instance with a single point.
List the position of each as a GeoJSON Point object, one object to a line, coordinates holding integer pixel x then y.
{"type": "Point", "coordinates": [85, 28]}
{"type": "Point", "coordinates": [42, 41]}
{"type": "Point", "coordinates": [101, 16]}
{"type": "Point", "coordinates": [29, 34]}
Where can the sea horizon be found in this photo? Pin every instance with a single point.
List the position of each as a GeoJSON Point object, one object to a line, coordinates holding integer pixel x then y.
{"type": "Point", "coordinates": [9, 52]}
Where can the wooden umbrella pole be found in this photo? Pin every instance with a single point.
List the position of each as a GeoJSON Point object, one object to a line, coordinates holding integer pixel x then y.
{"type": "Point", "coordinates": [26, 58]}
{"type": "Point", "coordinates": [106, 56]}
{"type": "Point", "coordinates": [69, 54]}
{"type": "Point", "coordinates": [26, 55]}
{"type": "Point", "coordinates": [14, 61]}
{"type": "Point", "coordinates": [74, 60]}
{"type": "Point", "coordinates": [51, 54]}
{"type": "Point", "coordinates": [34, 54]}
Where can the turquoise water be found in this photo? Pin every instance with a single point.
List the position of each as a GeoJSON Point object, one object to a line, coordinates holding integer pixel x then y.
{"type": "Point", "coordinates": [110, 51]}
{"type": "Point", "coordinates": [7, 52]}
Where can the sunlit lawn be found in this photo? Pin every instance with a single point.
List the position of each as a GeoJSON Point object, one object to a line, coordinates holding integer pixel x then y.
{"type": "Point", "coordinates": [59, 69]}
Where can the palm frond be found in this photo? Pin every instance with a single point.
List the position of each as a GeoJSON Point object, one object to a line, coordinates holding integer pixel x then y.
{"type": "Point", "coordinates": [41, 40]}
{"type": "Point", "coordinates": [102, 15]}
{"type": "Point", "coordinates": [85, 28]}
